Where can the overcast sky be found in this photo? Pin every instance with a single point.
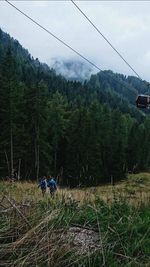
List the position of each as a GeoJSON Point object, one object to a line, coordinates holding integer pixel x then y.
{"type": "Point", "coordinates": [125, 23]}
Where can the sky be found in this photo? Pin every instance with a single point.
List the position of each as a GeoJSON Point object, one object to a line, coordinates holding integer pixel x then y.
{"type": "Point", "coordinates": [126, 24]}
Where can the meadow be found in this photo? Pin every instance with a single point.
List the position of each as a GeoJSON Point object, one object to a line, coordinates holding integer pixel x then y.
{"type": "Point", "coordinates": [88, 227]}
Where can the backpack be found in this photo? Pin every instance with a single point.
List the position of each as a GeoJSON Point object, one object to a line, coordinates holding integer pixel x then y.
{"type": "Point", "coordinates": [43, 184]}
{"type": "Point", "coordinates": [52, 184]}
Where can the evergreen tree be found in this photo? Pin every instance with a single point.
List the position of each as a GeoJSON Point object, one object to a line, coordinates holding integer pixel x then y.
{"type": "Point", "coordinates": [57, 121]}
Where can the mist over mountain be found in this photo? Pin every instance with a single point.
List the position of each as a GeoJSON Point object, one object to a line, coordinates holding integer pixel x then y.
{"type": "Point", "coordinates": [72, 69]}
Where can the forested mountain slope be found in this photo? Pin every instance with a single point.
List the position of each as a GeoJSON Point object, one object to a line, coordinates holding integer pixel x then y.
{"type": "Point", "coordinates": [84, 133]}
{"type": "Point", "coordinates": [124, 89]}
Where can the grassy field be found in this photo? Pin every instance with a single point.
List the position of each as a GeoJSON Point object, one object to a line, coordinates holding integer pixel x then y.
{"type": "Point", "coordinates": [89, 227]}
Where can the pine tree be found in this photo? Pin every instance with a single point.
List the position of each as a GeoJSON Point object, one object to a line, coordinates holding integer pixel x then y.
{"type": "Point", "coordinates": [9, 100]}
{"type": "Point", "coordinates": [57, 123]}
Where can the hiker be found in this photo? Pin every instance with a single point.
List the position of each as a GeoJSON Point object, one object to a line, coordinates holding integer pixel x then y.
{"type": "Point", "coordinates": [52, 186]}
{"type": "Point", "coordinates": [43, 184]}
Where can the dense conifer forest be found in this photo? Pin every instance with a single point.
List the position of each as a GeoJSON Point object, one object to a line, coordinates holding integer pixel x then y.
{"type": "Point", "coordinates": [83, 133]}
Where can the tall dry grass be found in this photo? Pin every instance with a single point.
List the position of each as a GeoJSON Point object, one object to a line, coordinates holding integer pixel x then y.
{"type": "Point", "coordinates": [136, 188]}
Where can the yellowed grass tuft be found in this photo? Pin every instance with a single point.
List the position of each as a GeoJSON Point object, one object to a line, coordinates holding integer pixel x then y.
{"type": "Point", "coordinates": [136, 188]}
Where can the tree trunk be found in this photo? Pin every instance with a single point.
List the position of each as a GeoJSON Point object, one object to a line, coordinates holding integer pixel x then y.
{"type": "Point", "coordinates": [8, 167]}
{"type": "Point", "coordinates": [55, 159]}
{"type": "Point", "coordinates": [18, 176]}
{"type": "Point", "coordinates": [38, 165]}
{"type": "Point", "coordinates": [37, 151]}
{"type": "Point", "coordinates": [11, 154]}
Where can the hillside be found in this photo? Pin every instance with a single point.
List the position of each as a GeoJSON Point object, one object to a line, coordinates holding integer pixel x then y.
{"type": "Point", "coordinates": [84, 133]}
{"type": "Point", "coordinates": [124, 89]}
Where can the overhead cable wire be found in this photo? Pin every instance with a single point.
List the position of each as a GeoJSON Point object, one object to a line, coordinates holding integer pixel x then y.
{"type": "Point", "coordinates": [104, 37]}
{"type": "Point", "coordinates": [52, 34]}
{"type": "Point", "coordinates": [65, 44]}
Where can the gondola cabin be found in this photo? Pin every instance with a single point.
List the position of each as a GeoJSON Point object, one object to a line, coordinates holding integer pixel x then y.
{"type": "Point", "coordinates": [143, 101]}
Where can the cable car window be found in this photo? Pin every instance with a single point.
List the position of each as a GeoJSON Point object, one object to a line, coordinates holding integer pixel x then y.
{"type": "Point", "coordinates": [142, 101]}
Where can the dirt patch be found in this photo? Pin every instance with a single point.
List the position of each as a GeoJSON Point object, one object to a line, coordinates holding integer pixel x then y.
{"type": "Point", "coordinates": [83, 240]}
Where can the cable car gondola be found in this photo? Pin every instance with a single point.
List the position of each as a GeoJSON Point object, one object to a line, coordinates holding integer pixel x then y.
{"type": "Point", "coordinates": [143, 101]}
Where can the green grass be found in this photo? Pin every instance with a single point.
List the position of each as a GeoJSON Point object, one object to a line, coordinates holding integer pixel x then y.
{"type": "Point", "coordinates": [122, 228]}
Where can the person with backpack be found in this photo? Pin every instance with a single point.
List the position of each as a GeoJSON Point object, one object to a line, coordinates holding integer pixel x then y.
{"type": "Point", "coordinates": [43, 184]}
{"type": "Point", "coordinates": [51, 184]}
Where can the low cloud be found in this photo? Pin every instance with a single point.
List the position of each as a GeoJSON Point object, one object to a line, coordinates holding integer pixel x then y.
{"type": "Point", "coordinates": [125, 24]}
